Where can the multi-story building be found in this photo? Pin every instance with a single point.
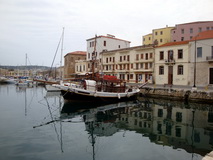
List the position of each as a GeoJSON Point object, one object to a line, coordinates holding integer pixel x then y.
{"type": "Point", "coordinates": [102, 43]}
{"type": "Point", "coordinates": [201, 66]}
{"type": "Point", "coordinates": [172, 63]}
{"type": "Point", "coordinates": [70, 61]}
{"type": "Point", "coordinates": [134, 64]}
{"type": "Point", "coordinates": [158, 36]}
{"type": "Point", "coordinates": [99, 44]}
{"type": "Point", "coordinates": [186, 31]}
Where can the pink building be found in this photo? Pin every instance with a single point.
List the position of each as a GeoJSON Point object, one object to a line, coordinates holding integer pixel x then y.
{"type": "Point", "coordinates": [184, 32]}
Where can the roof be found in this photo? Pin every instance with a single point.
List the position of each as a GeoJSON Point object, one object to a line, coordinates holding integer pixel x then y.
{"type": "Point", "coordinates": [174, 43]}
{"type": "Point", "coordinates": [203, 35]}
{"type": "Point", "coordinates": [110, 37]}
{"type": "Point", "coordinates": [195, 22]}
{"type": "Point", "coordinates": [77, 53]}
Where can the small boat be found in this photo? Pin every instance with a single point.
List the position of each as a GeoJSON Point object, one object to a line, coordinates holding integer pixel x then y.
{"type": "Point", "coordinates": [24, 81]}
{"type": "Point", "coordinates": [106, 88]}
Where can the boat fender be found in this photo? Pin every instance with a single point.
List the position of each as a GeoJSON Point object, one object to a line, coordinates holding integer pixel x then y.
{"type": "Point", "coordinates": [95, 94]}
{"type": "Point", "coordinates": [119, 96]}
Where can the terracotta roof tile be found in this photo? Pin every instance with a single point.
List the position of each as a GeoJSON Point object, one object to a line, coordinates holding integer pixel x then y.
{"type": "Point", "coordinates": [77, 53]}
{"type": "Point", "coordinates": [174, 43]}
{"type": "Point", "coordinates": [203, 35]}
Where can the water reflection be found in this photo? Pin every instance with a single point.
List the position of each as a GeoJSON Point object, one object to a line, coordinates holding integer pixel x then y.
{"type": "Point", "coordinates": [189, 127]}
{"type": "Point", "coordinates": [166, 123]}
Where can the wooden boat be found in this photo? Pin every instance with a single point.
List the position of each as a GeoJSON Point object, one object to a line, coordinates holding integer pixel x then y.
{"type": "Point", "coordinates": [106, 88]}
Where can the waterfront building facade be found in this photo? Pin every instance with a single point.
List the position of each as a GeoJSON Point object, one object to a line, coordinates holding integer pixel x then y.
{"type": "Point", "coordinates": [158, 36]}
{"type": "Point", "coordinates": [186, 31]}
{"type": "Point", "coordinates": [70, 61]}
{"type": "Point", "coordinates": [172, 63]}
{"type": "Point", "coordinates": [99, 44]}
{"type": "Point", "coordinates": [201, 58]}
{"type": "Point", "coordinates": [134, 64]}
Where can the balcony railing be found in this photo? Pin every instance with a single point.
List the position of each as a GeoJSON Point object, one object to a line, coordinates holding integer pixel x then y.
{"type": "Point", "coordinates": [169, 61]}
{"type": "Point", "coordinates": [209, 58]}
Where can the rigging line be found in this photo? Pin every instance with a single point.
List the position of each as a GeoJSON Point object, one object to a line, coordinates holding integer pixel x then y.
{"type": "Point", "coordinates": [52, 120]}
{"type": "Point", "coordinates": [56, 53]}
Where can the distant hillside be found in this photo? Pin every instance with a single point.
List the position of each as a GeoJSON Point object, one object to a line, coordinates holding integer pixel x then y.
{"type": "Point", "coordinates": [31, 67]}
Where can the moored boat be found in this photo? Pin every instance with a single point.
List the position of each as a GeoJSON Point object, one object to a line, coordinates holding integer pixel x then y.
{"type": "Point", "coordinates": [106, 88]}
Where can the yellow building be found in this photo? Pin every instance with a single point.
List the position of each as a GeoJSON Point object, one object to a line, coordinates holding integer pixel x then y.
{"type": "Point", "coordinates": [158, 36]}
{"type": "Point", "coordinates": [147, 39]}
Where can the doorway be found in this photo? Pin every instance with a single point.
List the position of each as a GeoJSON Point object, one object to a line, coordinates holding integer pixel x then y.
{"type": "Point", "coordinates": [210, 75]}
{"type": "Point", "coordinates": [170, 75]}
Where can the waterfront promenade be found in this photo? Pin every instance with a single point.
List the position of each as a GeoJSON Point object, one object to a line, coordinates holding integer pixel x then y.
{"type": "Point", "coordinates": [199, 94]}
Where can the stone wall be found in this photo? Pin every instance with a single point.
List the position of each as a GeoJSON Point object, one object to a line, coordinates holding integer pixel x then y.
{"type": "Point", "coordinates": [183, 95]}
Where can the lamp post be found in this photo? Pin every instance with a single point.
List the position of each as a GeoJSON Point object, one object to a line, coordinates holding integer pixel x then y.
{"type": "Point", "coordinates": [195, 54]}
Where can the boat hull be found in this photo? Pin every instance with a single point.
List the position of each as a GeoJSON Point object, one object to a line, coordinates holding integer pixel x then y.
{"type": "Point", "coordinates": [69, 95]}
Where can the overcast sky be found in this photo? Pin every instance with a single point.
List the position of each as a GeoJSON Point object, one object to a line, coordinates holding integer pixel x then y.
{"type": "Point", "coordinates": [34, 27]}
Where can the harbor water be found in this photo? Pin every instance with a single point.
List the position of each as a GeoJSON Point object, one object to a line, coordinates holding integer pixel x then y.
{"type": "Point", "coordinates": [37, 125]}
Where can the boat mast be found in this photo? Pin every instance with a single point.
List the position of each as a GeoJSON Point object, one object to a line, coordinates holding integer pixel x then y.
{"type": "Point", "coordinates": [62, 43]}
{"type": "Point", "coordinates": [94, 58]}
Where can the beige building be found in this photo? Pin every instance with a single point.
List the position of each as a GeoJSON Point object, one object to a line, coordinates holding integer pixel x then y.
{"type": "Point", "coordinates": [201, 66]}
{"type": "Point", "coordinates": [134, 64]}
{"type": "Point", "coordinates": [70, 61]}
{"type": "Point", "coordinates": [172, 63]}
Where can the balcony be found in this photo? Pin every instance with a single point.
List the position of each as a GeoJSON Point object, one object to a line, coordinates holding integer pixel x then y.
{"type": "Point", "coordinates": [209, 58]}
{"type": "Point", "coordinates": [169, 61]}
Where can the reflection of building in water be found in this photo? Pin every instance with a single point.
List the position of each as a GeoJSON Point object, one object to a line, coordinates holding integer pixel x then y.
{"type": "Point", "coordinates": [171, 125]}
{"type": "Point", "coordinates": [189, 127]}
{"type": "Point", "coordinates": [181, 127]}
{"type": "Point", "coordinates": [137, 118]}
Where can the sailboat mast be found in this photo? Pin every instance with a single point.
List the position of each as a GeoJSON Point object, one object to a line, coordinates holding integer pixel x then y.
{"type": "Point", "coordinates": [94, 58]}
{"type": "Point", "coordinates": [62, 43]}
{"type": "Point", "coordinates": [26, 65]}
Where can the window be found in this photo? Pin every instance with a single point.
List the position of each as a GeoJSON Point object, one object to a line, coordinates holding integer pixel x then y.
{"type": "Point", "coordinates": [170, 55]}
{"type": "Point", "coordinates": [199, 52]}
{"type": "Point", "coordinates": [147, 56]}
{"type": "Point", "coordinates": [160, 112]}
{"type": "Point", "coordinates": [180, 70]}
{"type": "Point", "coordinates": [110, 59]}
{"type": "Point", "coordinates": [124, 58]}
{"type": "Point", "coordinates": [137, 56]}
{"type": "Point", "coordinates": [141, 56]}
{"type": "Point", "coordinates": [199, 29]}
{"type": "Point", "coordinates": [120, 58]}
{"type": "Point", "coordinates": [156, 33]}
{"type": "Point", "coordinates": [119, 46]}
{"type": "Point", "coordinates": [150, 55]}
{"type": "Point", "coordinates": [182, 38]}
{"type": "Point", "coordinates": [178, 117]}
{"type": "Point", "coordinates": [146, 65]}
{"type": "Point", "coordinates": [161, 70]}
{"type": "Point", "coordinates": [161, 55]}
{"type": "Point", "coordinates": [113, 59]}
{"type": "Point", "coordinates": [191, 30]}
{"type": "Point", "coordinates": [127, 57]}
{"type": "Point", "coordinates": [107, 60]}
{"type": "Point", "coordinates": [207, 28]}
{"type": "Point", "coordinates": [104, 43]}
{"type": "Point", "coordinates": [161, 40]}
{"type": "Point", "coordinates": [182, 31]}
{"type": "Point", "coordinates": [141, 65]}
{"type": "Point", "coordinates": [161, 32]}
{"type": "Point", "coordinates": [180, 53]}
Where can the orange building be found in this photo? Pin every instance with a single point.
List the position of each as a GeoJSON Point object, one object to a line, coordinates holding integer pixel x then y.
{"type": "Point", "coordinates": [70, 61]}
